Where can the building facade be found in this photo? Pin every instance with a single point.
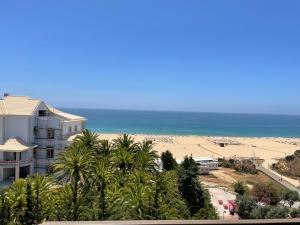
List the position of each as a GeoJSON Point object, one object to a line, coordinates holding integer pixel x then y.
{"type": "Point", "coordinates": [32, 133]}
{"type": "Point", "coordinates": [206, 164]}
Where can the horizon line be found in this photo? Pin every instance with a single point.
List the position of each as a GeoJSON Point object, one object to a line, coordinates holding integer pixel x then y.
{"type": "Point", "coordinates": [182, 111]}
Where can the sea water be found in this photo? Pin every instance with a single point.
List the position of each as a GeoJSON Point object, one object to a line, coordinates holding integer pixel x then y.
{"type": "Point", "coordinates": [189, 123]}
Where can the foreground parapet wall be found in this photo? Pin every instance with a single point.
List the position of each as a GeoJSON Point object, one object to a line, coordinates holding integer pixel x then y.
{"type": "Point", "coordinates": [180, 222]}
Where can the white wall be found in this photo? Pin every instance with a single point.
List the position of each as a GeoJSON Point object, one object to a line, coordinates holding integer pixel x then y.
{"type": "Point", "coordinates": [72, 124]}
{"type": "Point", "coordinates": [17, 126]}
{"type": "Point", "coordinates": [1, 130]}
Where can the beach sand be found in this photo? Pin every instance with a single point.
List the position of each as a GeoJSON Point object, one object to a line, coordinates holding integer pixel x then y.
{"type": "Point", "coordinates": [269, 149]}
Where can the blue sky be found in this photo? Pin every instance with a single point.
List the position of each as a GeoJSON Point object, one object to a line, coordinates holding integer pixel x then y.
{"type": "Point", "coordinates": [210, 56]}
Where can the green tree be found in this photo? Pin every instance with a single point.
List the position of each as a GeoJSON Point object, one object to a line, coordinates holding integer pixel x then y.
{"type": "Point", "coordinates": [100, 176]}
{"type": "Point", "coordinates": [265, 193]}
{"type": "Point", "coordinates": [145, 157]}
{"type": "Point", "coordinates": [125, 142]}
{"type": "Point", "coordinates": [29, 217]}
{"type": "Point", "coordinates": [245, 204]}
{"type": "Point", "coordinates": [290, 196]}
{"type": "Point", "coordinates": [168, 161]}
{"type": "Point", "coordinates": [206, 213]}
{"type": "Point", "coordinates": [123, 161]}
{"type": "Point", "coordinates": [89, 140]}
{"type": "Point", "coordinates": [104, 148]}
{"type": "Point", "coordinates": [41, 197]}
{"type": "Point", "coordinates": [16, 196]}
{"type": "Point", "coordinates": [167, 201]}
{"type": "Point", "coordinates": [4, 208]}
{"type": "Point", "coordinates": [133, 201]}
{"type": "Point", "coordinates": [73, 166]}
{"type": "Point", "coordinates": [189, 185]}
{"type": "Point", "coordinates": [240, 188]}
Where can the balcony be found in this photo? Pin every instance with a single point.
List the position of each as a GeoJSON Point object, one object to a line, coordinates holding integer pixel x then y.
{"type": "Point", "coordinates": [13, 163]}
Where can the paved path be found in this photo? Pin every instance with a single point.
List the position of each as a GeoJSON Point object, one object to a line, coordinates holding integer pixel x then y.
{"type": "Point", "coordinates": [219, 194]}
{"type": "Point", "coordinates": [289, 183]}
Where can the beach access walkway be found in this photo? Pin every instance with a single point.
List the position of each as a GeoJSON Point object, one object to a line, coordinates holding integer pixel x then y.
{"type": "Point", "coordinates": [287, 182]}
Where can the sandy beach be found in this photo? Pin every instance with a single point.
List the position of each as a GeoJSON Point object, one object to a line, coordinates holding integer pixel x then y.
{"type": "Point", "coordinates": [269, 149]}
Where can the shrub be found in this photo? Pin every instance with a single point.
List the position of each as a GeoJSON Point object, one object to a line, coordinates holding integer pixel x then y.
{"type": "Point", "coordinates": [260, 212]}
{"type": "Point", "coordinates": [295, 213]}
{"type": "Point", "coordinates": [240, 188]}
{"type": "Point", "coordinates": [265, 193]}
{"type": "Point", "coordinates": [245, 204]}
{"type": "Point", "coordinates": [277, 212]}
{"type": "Point", "coordinates": [290, 158]}
{"type": "Point", "coordinates": [290, 196]}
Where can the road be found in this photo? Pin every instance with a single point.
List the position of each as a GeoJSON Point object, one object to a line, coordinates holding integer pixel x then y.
{"type": "Point", "coordinates": [219, 194]}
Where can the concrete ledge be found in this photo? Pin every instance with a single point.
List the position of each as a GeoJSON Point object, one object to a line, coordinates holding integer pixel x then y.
{"type": "Point", "coordinates": [179, 222]}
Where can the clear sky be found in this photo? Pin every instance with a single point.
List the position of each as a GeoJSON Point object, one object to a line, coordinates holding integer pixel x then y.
{"type": "Point", "coordinates": [215, 56]}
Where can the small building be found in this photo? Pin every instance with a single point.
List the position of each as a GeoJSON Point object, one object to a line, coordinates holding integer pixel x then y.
{"type": "Point", "coordinates": [206, 164]}
{"type": "Point", "coordinates": [32, 133]}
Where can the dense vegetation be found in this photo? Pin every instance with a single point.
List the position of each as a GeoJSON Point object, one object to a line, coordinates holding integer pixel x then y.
{"type": "Point", "coordinates": [244, 166]}
{"type": "Point", "coordinates": [269, 198]}
{"type": "Point", "coordinates": [96, 179]}
{"type": "Point", "coordinates": [289, 166]}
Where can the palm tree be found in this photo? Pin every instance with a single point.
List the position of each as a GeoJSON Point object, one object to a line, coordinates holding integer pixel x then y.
{"type": "Point", "coordinates": [145, 157]}
{"type": "Point", "coordinates": [41, 194]}
{"type": "Point", "coordinates": [125, 142]}
{"type": "Point", "coordinates": [133, 201]}
{"type": "Point", "coordinates": [100, 176]}
{"type": "Point", "coordinates": [73, 166]}
{"type": "Point", "coordinates": [62, 203]}
{"type": "Point", "coordinates": [88, 139]}
{"type": "Point", "coordinates": [16, 196]}
{"type": "Point", "coordinates": [122, 161]}
{"type": "Point", "coordinates": [4, 208]}
{"type": "Point", "coordinates": [104, 147]}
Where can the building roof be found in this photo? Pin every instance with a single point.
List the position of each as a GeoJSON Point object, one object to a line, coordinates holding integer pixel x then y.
{"type": "Point", "coordinates": [67, 116]}
{"type": "Point", "coordinates": [18, 105]}
{"type": "Point", "coordinates": [26, 106]}
{"type": "Point", "coordinates": [15, 145]}
{"type": "Point", "coordinates": [204, 159]}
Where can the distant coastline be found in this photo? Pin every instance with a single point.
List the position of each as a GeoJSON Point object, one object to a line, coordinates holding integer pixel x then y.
{"type": "Point", "coordinates": [190, 123]}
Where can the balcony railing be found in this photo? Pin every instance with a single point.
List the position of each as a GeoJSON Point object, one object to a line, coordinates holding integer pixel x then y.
{"type": "Point", "coordinates": [14, 162]}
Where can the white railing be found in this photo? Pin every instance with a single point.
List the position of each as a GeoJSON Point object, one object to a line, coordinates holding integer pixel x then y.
{"type": "Point", "coordinates": [14, 162]}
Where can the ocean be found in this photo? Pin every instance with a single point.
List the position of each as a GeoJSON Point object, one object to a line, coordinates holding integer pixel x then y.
{"type": "Point", "coordinates": [189, 123]}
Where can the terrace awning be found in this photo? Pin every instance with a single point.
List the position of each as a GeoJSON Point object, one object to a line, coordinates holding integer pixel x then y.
{"type": "Point", "coordinates": [15, 145]}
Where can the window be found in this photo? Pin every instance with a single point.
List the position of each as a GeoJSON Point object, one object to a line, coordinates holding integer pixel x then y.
{"type": "Point", "coordinates": [70, 129]}
{"type": "Point", "coordinates": [42, 112]}
{"type": "Point", "coordinates": [50, 133]}
{"type": "Point", "coordinates": [76, 128]}
{"type": "Point", "coordinates": [50, 153]}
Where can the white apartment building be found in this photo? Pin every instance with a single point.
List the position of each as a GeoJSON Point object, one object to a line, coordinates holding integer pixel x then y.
{"type": "Point", "coordinates": [32, 133]}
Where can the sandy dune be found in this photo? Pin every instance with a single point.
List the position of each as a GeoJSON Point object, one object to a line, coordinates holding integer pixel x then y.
{"type": "Point", "coordinates": [269, 149]}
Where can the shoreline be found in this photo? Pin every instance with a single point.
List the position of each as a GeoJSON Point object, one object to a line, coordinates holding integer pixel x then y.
{"type": "Point", "coordinates": [194, 135]}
